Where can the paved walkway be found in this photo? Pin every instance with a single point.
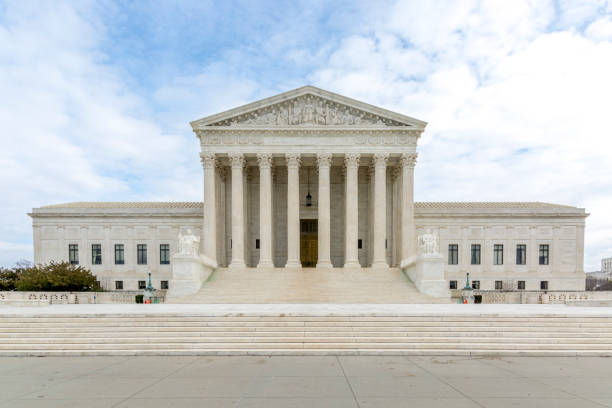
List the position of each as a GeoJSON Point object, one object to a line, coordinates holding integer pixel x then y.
{"type": "Point", "coordinates": [321, 382]}
{"type": "Point", "coordinates": [311, 309]}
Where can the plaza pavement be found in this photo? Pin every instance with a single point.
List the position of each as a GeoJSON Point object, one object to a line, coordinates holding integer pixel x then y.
{"type": "Point", "coordinates": [321, 382]}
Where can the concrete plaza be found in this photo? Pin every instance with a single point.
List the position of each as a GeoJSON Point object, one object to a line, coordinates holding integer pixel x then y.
{"type": "Point", "coordinates": [300, 381]}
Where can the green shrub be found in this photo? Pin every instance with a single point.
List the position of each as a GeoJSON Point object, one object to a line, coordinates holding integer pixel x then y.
{"type": "Point", "coordinates": [139, 298]}
{"type": "Point", "coordinates": [9, 278]}
{"type": "Point", "coordinates": [61, 276]}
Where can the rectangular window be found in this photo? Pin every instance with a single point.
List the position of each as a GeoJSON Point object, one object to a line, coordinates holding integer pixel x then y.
{"type": "Point", "coordinates": [164, 254]}
{"type": "Point", "coordinates": [544, 285]}
{"type": "Point", "coordinates": [521, 254]}
{"type": "Point", "coordinates": [142, 284]}
{"type": "Point", "coordinates": [544, 254]}
{"type": "Point", "coordinates": [475, 284]}
{"type": "Point", "coordinates": [119, 285]}
{"type": "Point", "coordinates": [142, 254]}
{"type": "Point", "coordinates": [475, 254]}
{"type": "Point", "coordinates": [359, 243]}
{"type": "Point", "coordinates": [521, 285]}
{"type": "Point", "coordinates": [498, 254]}
{"type": "Point", "coordinates": [257, 243]}
{"type": "Point", "coordinates": [453, 284]}
{"type": "Point", "coordinates": [453, 254]}
{"type": "Point", "coordinates": [164, 284]}
{"type": "Point", "coordinates": [73, 254]}
{"type": "Point", "coordinates": [119, 254]}
{"type": "Point", "coordinates": [96, 254]}
{"type": "Point", "coordinates": [499, 285]}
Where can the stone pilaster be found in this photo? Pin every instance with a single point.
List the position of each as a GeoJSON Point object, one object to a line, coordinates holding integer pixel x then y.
{"type": "Point", "coordinates": [408, 162]}
{"type": "Point", "coordinates": [293, 210]}
{"type": "Point", "coordinates": [209, 227]}
{"type": "Point", "coordinates": [351, 259]}
{"type": "Point", "coordinates": [324, 236]}
{"type": "Point", "coordinates": [380, 210]}
{"type": "Point", "coordinates": [237, 163]}
{"type": "Point", "coordinates": [265, 210]}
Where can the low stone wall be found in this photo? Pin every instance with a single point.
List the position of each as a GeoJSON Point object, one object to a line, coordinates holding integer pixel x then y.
{"type": "Point", "coordinates": [15, 298]}
{"type": "Point", "coordinates": [538, 297]}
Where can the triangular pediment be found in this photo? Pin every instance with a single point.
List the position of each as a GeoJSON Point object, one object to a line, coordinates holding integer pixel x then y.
{"type": "Point", "coordinates": [308, 106]}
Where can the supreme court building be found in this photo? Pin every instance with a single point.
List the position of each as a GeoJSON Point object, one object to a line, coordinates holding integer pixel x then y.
{"type": "Point", "coordinates": [312, 179]}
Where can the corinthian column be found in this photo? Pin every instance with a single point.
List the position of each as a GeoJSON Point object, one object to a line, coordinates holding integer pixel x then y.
{"type": "Point", "coordinates": [324, 163]}
{"type": "Point", "coordinates": [209, 226]}
{"type": "Point", "coordinates": [380, 210]}
{"type": "Point", "coordinates": [351, 259]}
{"type": "Point", "coordinates": [293, 210]}
{"type": "Point", "coordinates": [265, 209]}
{"type": "Point", "coordinates": [407, 161]}
{"type": "Point", "coordinates": [237, 162]}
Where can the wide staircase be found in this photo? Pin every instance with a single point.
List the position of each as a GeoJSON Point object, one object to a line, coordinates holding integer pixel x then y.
{"type": "Point", "coordinates": [308, 285]}
{"type": "Point", "coordinates": [304, 334]}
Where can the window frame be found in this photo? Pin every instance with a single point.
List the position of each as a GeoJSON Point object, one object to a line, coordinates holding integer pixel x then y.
{"type": "Point", "coordinates": [118, 285]}
{"type": "Point", "coordinates": [96, 257]}
{"type": "Point", "coordinates": [141, 254]}
{"type": "Point", "coordinates": [475, 251]}
{"type": "Point", "coordinates": [142, 285]}
{"type": "Point", "coordinates": [521, 254]}
{"type": "Point", "coordinates": [164, 284]}
{"type": "Point", "coordinates": [498, 254]}
{"type": "Point", "coordinates": [120, 249]}
{"type": "Point", "coordinates": [520, 285]}
{"type": "Point", "coordinates": [164, 254]}
{"type": "Point", "coordinates": [544, 254]}
{"type": "Point", "coordinates": [453, 254]}
{"type": "Point", "coordinates": [452, 284]}
{"type": "Point", "coordinates": [499, 285]}
{"type": "Point", "coordinates": [543, 285]}
{"type": "Point", "coordinates": [476, 284]}
{"type": "Point", "coordinates": [73, 254]}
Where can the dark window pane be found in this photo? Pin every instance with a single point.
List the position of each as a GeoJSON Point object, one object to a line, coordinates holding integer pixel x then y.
{"type": "Point", "coordinates": [544, 254]}
{"type": "Point", "coordinates": [119, 254]}
{"type": "Point", "coordinates": [453, 254]}
{"type": "Point", "coordinates": [521, 254]}
{"type": "Point", "coordinates": [498, 254]}
{"type": "Point", "coordinates": [96, 254]}
{"type": "Point", "coordinates": [164, 254]}
{"type": "Point", "coordinates": [73, 254]}
{"type": "Point", "coordinates": [475, 284]}
{"type": "Point", "coordinates": [142, 254]}
{"type": "Point", "coordinates": [142, 284]}
{"type": "Point", "coordinates": [118, 285]}
{"type": "Point", "coordinates": [453, 284]}
{"type": "Point", "coordinates": [475, 254]}
{"type": "Point", "coordinates": [164, 284]}
{"type": "Point", "coordinates": [521, 284]}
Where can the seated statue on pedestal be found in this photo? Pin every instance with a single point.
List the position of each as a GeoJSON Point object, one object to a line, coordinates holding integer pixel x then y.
{"type": "Point", "coordinates": [189, 244]}
{"type": "Point", "coordinates": [428, 243]}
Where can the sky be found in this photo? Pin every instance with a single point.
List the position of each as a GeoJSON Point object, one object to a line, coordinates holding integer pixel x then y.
{"type": "Point", "coordinates": [96, 96]}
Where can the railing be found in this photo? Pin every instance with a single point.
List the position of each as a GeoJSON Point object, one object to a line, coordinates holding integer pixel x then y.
{"type": "Point", "coordinates": [535, 297]}
{"type": "Point", "coordinates": [42, 298]}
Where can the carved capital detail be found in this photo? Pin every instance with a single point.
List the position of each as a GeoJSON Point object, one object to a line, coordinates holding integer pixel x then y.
{"type": "Point", "coordinates": [236, 160]}
{"type": "Point", "coordinates": [209, 160]}
{"type": "Point", "coordinates": [352, 160]}
{"type": "Point", "coordinates": [409, 159]}
{"type": "Point", "coordinates": [396, 171]}
{"type": "Point", "coordinates": [324, 159]}
{"type": "Point", "coordinates": [293, 160]}
{"type": "Point", "coordinates": [264, 160]}
{"type": "Point", "coordinates": [380, 159]}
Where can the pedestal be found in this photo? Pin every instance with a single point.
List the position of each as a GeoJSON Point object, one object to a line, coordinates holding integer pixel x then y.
{"type": "Point", "coordinates": [427, 273]}
{"type": "Point", "coordinates": [189, 272]}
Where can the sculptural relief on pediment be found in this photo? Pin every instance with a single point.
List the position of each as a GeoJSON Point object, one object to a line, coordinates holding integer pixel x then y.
{"type": "Point", "coordinates": [308, 110]}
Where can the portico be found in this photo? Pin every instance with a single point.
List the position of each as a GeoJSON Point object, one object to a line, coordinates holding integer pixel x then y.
{"type": "Point", "coordinates": [263, 159]}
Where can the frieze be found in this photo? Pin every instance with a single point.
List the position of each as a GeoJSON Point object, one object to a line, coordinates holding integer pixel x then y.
{"type": "Point", "coordinates": [308, 110]}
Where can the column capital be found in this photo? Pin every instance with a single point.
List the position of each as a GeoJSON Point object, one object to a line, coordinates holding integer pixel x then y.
{"type": "Point", "coordinates": [408, 159]}
{"type": "Point", "coordinates": [324, 159]}
{"type": "Point", "coordinates": [264, 160]}
{"type": "Point", "coordinates": [293, 160]}
{"type": "Point", "coordinates": [380, 159]}
{"type": "Point", "coordinates": [352, 160]}
{"type": "Point", "coordinates": [209, 160]}
{"type": "Point", "coordinates": [236, 160]}
{"type": "Point", "coordinates": [396, 171]}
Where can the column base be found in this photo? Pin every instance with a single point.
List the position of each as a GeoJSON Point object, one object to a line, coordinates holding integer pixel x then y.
{"type": "Point", "coordinates": [237, 265]}
{"type": "Point", "coordinates": [265, 264]}
{"type": "Point", "coordinates": [380, 264]}
{"type": "Point", "coordinates": [352, 264]}
{"type": "Point", "coordinates": [293, 264]}
{"type": "Point", "coordinates": [324, 265]}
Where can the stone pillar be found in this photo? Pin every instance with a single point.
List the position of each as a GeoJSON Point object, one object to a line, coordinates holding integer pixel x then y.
{"type": "Point", "coordinates": [209, 226]}
{"type": "Point", "coordinates": [380, 210]}
{"type": "Point", "coordinates": [237, 163]}
{"type": "Point", "coordinates": [408, 161]}
{"type": "Point", "coordinates": [293, 210]}
{"type": "Point", "coordinates": [265, 210]}
{"type": "Point", "coordinates": [324, 164]}
{"type": "Point", "coordinates": [351, 258]}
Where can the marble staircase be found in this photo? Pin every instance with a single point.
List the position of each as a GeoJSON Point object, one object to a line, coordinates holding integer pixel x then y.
{"type": "Point", "coordinates": [308, 285]}
{"type": "Point", "coordinates": [304, 334]}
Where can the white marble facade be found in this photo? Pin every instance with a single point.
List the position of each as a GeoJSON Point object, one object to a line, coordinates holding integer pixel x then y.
{"type": "Point", "coordinates": [357, 161]}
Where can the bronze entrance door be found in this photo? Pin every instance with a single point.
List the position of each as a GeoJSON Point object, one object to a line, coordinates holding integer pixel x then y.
{"type": "Point", "coordinates": [308, 243]}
